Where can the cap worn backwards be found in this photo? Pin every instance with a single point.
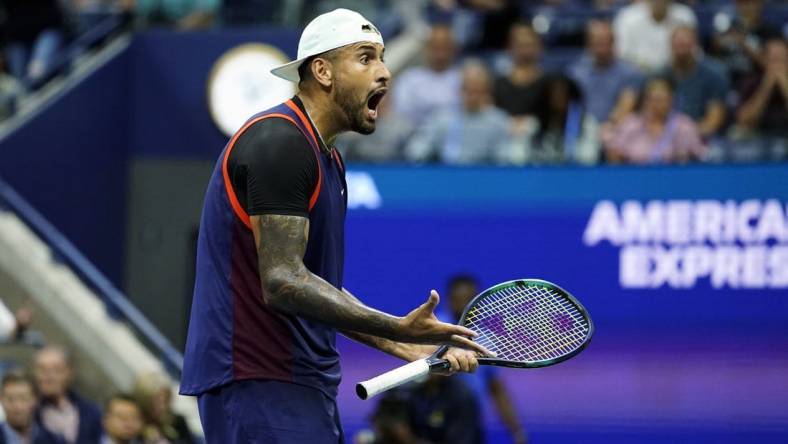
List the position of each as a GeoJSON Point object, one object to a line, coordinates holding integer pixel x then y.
{"type": "Point", "coordinates": [328, 31]}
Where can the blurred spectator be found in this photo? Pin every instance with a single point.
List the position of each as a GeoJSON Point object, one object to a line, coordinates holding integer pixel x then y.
{"type": "Point", "coordinates": [700, 88]}
{"type": "Point", "coordinates": [476, 133]}
{"type": "Point", "coordinates": [422, 91]}
{"type": "Point", "coordinates": [486, 381]}
{"type": "Point", "coordinates": [738, 43]}
{"type": "Point", "coordinates": [657, 134]}
{"type": "Point", "coordinates": [478, 24]}
{"type": "Point", "coordinates": [565, 131]}
{"type": "Point", "coordinates": [386, 144]}
{"type": "Point", "coordinates": [184, 14]}
{"type": "Point", "coordinates": [609, 85]}
{"type": "Point", "coordinates": [496, 17]}
{"type": "Point", "coordinates": [439, 410]}
{"type": "Point", "coordinates": [256, 12]}
{"type": "Point", "coordinates": [153, 395]}
{"type": "Point", "coordinates": [85, 14]}
{"type": "Point", "coordinates": [387, 15]}
{"type": "Point", "coordinates": [10, 90]}
{"type": "Point", "coordinates": [12, 325]}
{"type": "Point", "coordinates": [34, 33]}
{"type": "Point", "coordinates": [62, 411]}
{"type": "Point", "coordinates": [122, 421]}
{"type": "Point", "coordinates": [445, 410]}
{"type": "Point", "coordinates": [762, 113]}
{"type": "Point", "coordinates": [391, 421]}
{"type": "Point", "coordinates": [518, 93]}
{"type": "Point", "coordinates": [643, 31]}
{"type": "Point", "coordinates": [764, 96]}
{"type": "Point", "coordinates": [18, 398]}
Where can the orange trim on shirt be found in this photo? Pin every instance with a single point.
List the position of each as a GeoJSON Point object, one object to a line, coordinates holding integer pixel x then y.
{"type": "Point", "coordinates": [338, 159]}
{"type": "Point", "coordinates": [316, 145]}
{"type": "Point", "coordinates": [237, 208]}
{"type": "Point", "coordinates": [304, 120]}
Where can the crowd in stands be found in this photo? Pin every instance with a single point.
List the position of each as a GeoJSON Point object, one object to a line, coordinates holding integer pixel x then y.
{"type": "Point", "coordinates": [38, 36]}
{"type": "Point", "coordinates": [645, 90]}
{"type": "Point", "coordinates": [46, 409]}
{"type": "Point", "coordinates": [510, 82]}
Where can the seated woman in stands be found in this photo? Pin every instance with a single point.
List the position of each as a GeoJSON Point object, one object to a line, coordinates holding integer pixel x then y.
{"type": "Point", "coordinates": [657, 133]}
{"type": "Point", "coordinates": [162, 426]}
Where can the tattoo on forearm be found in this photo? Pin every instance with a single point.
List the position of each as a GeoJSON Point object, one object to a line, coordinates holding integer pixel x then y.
{"type": "Point", "coordinates": [289, 287]}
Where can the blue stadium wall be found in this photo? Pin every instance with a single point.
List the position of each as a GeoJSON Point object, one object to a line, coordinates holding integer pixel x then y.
{"type": "Point", "coordinates": [684, 269]}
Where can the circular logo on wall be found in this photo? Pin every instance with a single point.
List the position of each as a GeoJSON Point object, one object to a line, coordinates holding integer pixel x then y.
{"type": "Point", "coordinates": [241, 84]}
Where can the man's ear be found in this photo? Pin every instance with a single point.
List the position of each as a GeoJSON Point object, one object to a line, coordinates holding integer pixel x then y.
{"type": "Point", "coordinates": [323, 71]}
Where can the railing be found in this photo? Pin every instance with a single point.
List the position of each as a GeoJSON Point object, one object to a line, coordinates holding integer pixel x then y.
{"type": "Point", "coordinates": [118, 305]}
{"type": "Point", "coordinates": [84, 42]}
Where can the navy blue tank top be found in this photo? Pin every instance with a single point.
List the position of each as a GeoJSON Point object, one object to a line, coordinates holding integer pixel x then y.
{"type": "Point", "coordinates": [232, 334]}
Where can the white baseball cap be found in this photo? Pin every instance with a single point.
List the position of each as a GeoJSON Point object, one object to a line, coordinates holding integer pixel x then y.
{"type": "Point", "coordinates": [329, 31]}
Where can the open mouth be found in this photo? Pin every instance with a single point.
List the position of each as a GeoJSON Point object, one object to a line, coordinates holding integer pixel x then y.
{"type": "Point", "coordinates": [373, 101]}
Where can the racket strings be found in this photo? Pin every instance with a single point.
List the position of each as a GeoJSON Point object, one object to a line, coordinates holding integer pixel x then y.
{"type": "Point", "coordinates": [529, 339]}
{"type": "Point", "coordinates": [528, 323]}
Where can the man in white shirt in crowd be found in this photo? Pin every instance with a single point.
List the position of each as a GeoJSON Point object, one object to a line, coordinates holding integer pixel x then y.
{"type": "Point", "coordinates": [643, 31]}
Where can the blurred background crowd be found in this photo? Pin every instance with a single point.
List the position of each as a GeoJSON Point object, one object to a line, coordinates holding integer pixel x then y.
{"type": "Point", "coordinates": [496, 82]}
{"type": "Point", "coordinates": [42, 406]}
{"type": "Point", "coordinates": [501, 81]}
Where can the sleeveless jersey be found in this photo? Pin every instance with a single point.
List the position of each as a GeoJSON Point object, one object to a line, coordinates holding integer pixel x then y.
{"type": "Point", "coordinates": [232, 334]}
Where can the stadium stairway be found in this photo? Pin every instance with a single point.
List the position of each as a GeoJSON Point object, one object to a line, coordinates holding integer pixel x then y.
{"type": "Point", "coordinates": [109, 354]}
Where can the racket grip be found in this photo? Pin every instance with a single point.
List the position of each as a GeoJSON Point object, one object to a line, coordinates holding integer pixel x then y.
{"type": "Point", "coordinates": [393, 378]}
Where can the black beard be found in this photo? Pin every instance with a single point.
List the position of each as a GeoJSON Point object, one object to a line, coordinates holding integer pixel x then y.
{"type": "Point", "coordinates": [355, 114]}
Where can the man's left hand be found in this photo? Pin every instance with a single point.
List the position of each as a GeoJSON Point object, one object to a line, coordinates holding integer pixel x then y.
{"type": "Point", "coordinates": [460, 360]}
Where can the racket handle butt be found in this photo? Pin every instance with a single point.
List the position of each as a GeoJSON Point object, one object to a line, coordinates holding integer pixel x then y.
{"type": "Point", "coordinates": [393, 378]}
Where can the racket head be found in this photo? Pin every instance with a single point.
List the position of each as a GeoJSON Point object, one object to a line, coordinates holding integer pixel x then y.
{"type": "Point", "coordinates": [528, 323]}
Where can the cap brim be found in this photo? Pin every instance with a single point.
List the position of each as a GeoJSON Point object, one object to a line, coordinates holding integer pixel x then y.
{"type": "Point", "coordinates": [288, 71]}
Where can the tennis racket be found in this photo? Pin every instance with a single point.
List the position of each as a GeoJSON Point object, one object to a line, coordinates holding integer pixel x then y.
{"type": "Point", "coordinates": [527, 323]}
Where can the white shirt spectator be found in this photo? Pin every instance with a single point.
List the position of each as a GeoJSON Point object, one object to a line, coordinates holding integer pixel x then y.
{"type": "Point", "coordinates": [643, 41]}
{"type": "Point", "coordinates": [7, 322]}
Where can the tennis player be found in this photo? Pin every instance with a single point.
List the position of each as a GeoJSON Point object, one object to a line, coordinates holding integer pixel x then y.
{"type": "Point", "coordinates": [268, 297]}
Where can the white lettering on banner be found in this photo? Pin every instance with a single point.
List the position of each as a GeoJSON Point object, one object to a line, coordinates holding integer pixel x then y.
{"type": "Point", "coordinates": [362, 191]}
{"type": "Point", "coordinates": [603, 225]}
{"type": "Point", "coordinates": [708, 221]}
{"type": "Point", "coordinates": [771, 224]}
{"type": "Point", "coordinates": [678, 243]}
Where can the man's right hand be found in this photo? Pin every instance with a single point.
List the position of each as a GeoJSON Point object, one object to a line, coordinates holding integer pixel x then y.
{"type": "Point", "coordinates": [422, 327]}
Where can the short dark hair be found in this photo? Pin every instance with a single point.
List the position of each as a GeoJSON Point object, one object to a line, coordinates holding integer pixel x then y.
{"type": "Point", "coordinates": [667, 81]}
{"type": "Point", "coordinates": [123, 397]}
{"type": "Point", "coordinates": [462, 279]}
{"type": "Point", "coordinates": [524, 25]}
{"type": "Point", "coordinates": [17, 377]}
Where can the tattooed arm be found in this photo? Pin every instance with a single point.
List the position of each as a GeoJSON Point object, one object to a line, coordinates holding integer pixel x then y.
{"type": "Point", "coordinates": [405, 351]}
{"type": "Point", "coordinates": [290, 288]}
